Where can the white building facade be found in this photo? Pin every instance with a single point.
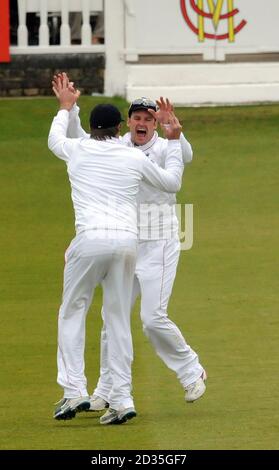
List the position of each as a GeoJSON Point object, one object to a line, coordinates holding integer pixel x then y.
{"type": "Point", "coordinates": [193, 51]}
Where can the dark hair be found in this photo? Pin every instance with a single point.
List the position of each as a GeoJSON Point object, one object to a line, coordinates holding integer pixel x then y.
{"type": "Point", "coordinates": [103, 134]}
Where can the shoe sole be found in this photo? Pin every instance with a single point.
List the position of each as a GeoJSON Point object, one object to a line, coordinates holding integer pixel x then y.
{"type": "Point", "coordinates": [70, 414]}
{"type": "Point", "coordinates": [124, 419]}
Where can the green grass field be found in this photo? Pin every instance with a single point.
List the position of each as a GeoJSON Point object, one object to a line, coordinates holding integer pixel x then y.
{"type": "Point", "coordinates": [225, 298]}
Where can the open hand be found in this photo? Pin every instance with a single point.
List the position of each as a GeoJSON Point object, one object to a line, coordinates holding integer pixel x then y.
{"type": "Point", "coordinates": [164, 108]}
{"type": "Point", "coordinates": [64, 90]}
{"type": "Point", "coordinates": [172, 129]}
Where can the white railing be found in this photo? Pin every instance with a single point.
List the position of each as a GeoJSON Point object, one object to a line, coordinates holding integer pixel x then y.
{"type": "Point", "coordinates": [57, 8]}
{"type": "Point", "coordinates": [134, 29]}
{"type": "Point", "coordinates": [115, 12]}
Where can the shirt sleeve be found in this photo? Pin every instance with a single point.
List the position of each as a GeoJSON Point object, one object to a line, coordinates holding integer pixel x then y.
{"type": "Point", "coordinates": [74, 127]}
{"type": "Point", "coordinates": [168, 179]}
{"type": "Point", "coordinates": [58, 143]}
{"type": "Point", "coordinates": [187, 152]}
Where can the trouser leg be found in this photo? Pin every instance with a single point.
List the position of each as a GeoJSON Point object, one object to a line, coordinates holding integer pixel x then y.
{"type": "Point", "coordinates": [117, 290]}
{"type": "Point", "coordinates": [104, 384]}
{"type": "Point", "coordinates": [156, 270]}
{"type": "Point", "coordinates": [80, 279]}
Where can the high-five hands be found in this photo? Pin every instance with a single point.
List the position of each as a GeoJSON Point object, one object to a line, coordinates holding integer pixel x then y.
{"type": "Point", "coordinates": [64, 90]}
{"type": "Point", "coordinates": [173, 128]}
{"type": "Point", "coordinates": [162, 113]}
{"type": "Point", "coordinates": [167, 119]}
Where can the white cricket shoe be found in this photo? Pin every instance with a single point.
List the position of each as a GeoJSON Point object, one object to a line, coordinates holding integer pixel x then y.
{"type": "Point", "coordinates": [196, 390]}
{"type": "Point", "coordinates": [68, 407]}
{"type": "Point", "coordinates": [118, 417]}
{"type": "Point", "coordinates": [97, 403]}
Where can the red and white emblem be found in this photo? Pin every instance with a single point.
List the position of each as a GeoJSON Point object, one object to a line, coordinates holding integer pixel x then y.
{"type": "Point", "coordinates": [204, 18]}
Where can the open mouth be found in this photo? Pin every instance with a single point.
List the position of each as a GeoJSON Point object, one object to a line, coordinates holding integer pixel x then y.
{"type": "Point", "coordinates": [141, 132]}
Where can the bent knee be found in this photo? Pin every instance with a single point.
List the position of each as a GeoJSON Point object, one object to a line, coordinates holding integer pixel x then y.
{"type": "Point", "coordinates": [153, 321]}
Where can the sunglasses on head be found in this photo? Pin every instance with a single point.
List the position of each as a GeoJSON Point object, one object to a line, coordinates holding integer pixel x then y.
{"type": "Point", "coordinates": [142, 103]}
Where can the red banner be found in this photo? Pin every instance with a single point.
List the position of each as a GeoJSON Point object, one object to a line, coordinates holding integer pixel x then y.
{"type": "Point", "coordinates": [4, 31]}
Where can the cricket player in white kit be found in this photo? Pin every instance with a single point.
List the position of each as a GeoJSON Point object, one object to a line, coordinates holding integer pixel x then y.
{"type": "Point", "coordinates": [104, 175]}
{"type": "Point", "coordinates": [157, 258]}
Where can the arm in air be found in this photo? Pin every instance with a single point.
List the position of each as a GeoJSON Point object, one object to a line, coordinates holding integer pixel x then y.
{"type": "Point", "coordinates": [57, 140]}
{"type": "Point", "coordinates": [168, 179]}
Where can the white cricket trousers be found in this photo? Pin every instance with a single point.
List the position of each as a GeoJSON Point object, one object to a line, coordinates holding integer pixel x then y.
{"type": "Point", "coordinates": [154, 277]}
{"type": "Point", "coordinates": [90, 261]}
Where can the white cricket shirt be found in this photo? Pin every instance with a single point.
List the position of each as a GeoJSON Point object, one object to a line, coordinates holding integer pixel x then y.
{"type": "Point", "coordinates": [157, 208]}
{"type": "Point", "coordinates": [105, 177]}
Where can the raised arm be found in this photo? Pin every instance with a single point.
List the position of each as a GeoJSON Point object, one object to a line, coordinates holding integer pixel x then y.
{"type": "Point", "coordinates": [162, 116]}
{"type": "Point", "coordinates": [74, 129]}
{"type": "Point", "coordinates": [168, 179]}
{"type": "Point", "coordinates": [187, 152]}
{"type": "Point", "coordinates": [57, 140]}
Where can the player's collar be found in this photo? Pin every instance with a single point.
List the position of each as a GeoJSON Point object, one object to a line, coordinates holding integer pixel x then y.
{"type": "Point", "coordinates": [113, 140]}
